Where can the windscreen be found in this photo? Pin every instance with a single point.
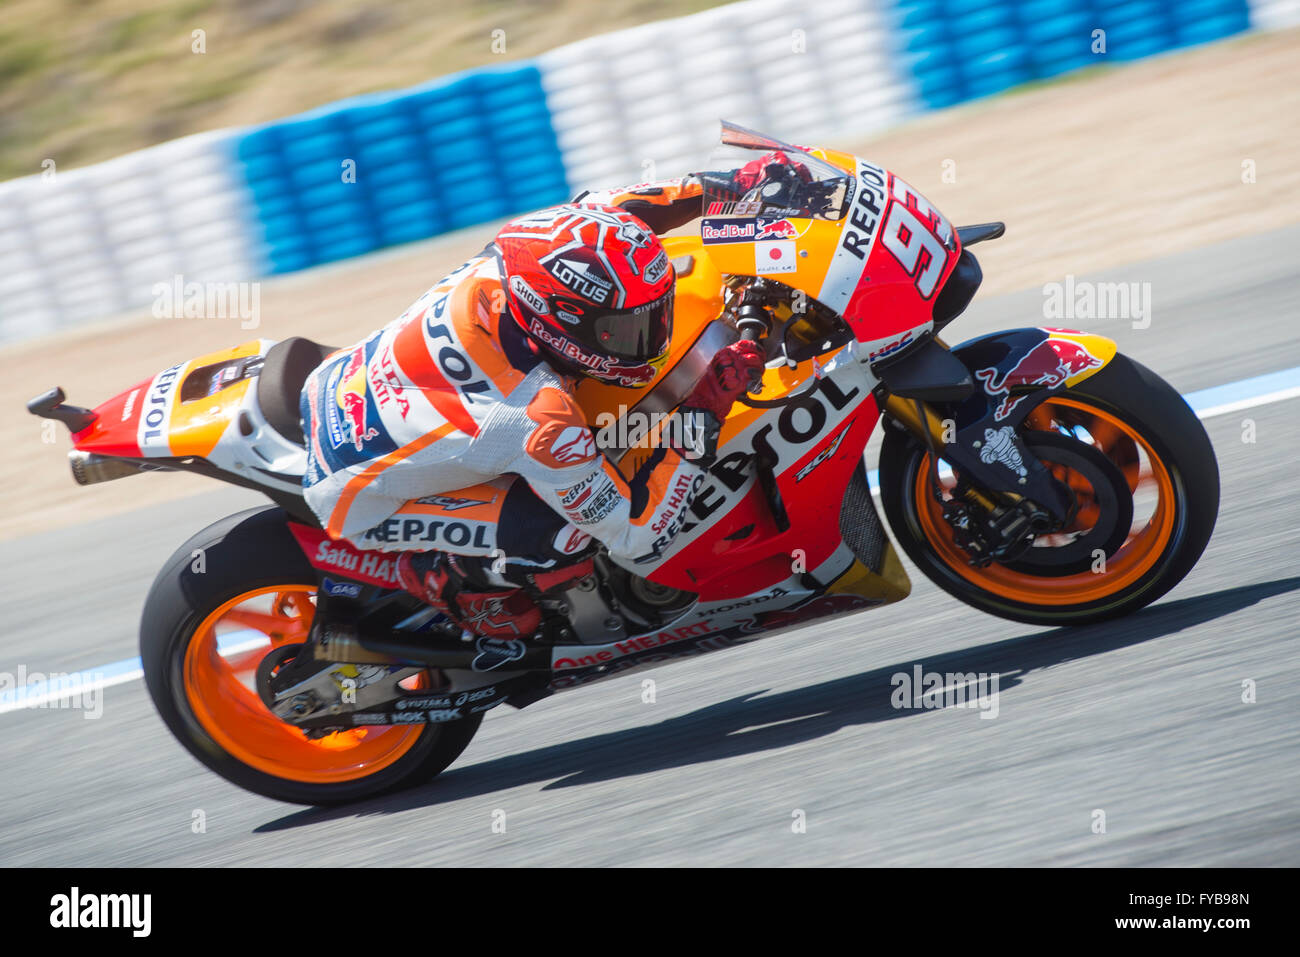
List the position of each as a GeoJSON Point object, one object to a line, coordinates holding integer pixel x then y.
{"type": "Point", "coordinates": [753, 174]}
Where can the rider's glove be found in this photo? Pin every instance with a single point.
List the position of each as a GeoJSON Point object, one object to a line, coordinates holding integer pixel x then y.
{"type": "Point", "coordinates": [756, 171]}
{"type": "Point", "coordinates": [733, 370]}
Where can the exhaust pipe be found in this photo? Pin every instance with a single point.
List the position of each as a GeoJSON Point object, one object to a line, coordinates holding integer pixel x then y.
{"type": "Point", "coordinates": [89, 468]}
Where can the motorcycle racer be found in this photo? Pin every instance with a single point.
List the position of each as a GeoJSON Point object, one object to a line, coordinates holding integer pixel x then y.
{"type": "Point", "coordinates": [452, 436]}
{"type": "Point", "coordinates": [292, 664]}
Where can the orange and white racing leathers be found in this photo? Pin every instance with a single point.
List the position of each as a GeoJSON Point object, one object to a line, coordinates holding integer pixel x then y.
{"type": "Point", "coordinates": [447, 431]}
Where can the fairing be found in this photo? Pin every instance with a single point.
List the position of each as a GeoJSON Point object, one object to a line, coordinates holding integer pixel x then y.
{"type": "Point", "coordinates": [205, 408]}
{"type": "Point", "coordinates": [878, 254]}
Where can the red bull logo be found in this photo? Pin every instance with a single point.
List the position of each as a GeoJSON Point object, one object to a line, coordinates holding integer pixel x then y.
{"type": "Point", "coordinates": [1050, 363]}
{"type": "Point", "coordinates": [777, 229]}
{"type": "Point", "coordinates": [351, 398]}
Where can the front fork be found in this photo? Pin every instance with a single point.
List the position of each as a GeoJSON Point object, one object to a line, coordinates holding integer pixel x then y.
{"type": "Point", "coordinates": [991, 384]}
{"type": "Point", "coordinates": [994, 460]}
{"type": "Point", "coordinates": [1003, 497]}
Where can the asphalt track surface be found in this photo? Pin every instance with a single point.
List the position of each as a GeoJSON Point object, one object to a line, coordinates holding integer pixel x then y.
{"type": "Point", "coordinates": [1142, 719]}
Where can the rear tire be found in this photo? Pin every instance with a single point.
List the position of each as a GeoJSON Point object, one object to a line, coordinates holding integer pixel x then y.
{"type": "Point", "coordinates": [1162, 424]}
{"type": "Point", "coordinates": [254, 554]}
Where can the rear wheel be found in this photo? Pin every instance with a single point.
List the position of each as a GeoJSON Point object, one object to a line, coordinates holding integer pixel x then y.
{"type": "Point", "coordinates": [1146, 488]}
{"type": "Point", "coordinates": [230, 596]}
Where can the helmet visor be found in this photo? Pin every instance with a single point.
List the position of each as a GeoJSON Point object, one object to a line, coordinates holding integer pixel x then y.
{"type": "Point", "coordinates": [641, 333]}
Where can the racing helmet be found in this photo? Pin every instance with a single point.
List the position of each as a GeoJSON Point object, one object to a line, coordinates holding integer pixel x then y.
{"type": "Point", "coordinates": [592, 286]}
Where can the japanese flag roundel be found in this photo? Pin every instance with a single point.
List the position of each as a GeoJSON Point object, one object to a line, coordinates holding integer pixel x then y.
{"type": "Point", "coordinates": [774, 256]}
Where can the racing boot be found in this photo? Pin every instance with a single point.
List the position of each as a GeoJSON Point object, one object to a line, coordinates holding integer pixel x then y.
{"type": "Point", "coordinates": [481, 601]}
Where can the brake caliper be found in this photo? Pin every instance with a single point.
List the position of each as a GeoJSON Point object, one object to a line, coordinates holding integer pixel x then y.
{"type": "Point", "coordinates": [998, 534]}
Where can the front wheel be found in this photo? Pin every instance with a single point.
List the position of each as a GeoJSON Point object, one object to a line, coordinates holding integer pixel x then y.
{"type": "Point", "coordinates": [1146, 489]}
{"type": "Point", "coordinates": [233, 593]}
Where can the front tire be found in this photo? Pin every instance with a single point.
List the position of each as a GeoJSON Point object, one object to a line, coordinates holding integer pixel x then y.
{"type": "Point", "coordinates": [227, 597]}
{"type": "Point", "coordinates": [1154, 445]}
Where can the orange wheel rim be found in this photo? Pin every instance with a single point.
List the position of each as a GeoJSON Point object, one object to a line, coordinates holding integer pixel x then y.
{"type": "Point", "coordinates": [1130, 562]}
{"type": "Point", "coordinates": [221, 692]}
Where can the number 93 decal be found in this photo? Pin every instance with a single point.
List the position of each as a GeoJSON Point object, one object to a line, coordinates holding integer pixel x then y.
{"type": "Point", "coordinates": [915, 234]}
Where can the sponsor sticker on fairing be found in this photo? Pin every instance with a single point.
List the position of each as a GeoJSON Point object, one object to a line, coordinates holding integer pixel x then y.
{"type": "Point", "coordinates": [370, 567]}
{"type": "Point", "coordinates": [775, 257]}
{"type": "Point", "coordinates": [672, 518]}
{"type": "Point", "coordinates": [631, 646]}
{"type": "Point", "coordinates": [822, 456]}
{"type": "Point", "coordinates": [777, 229]}
{"type": "Point", "coordinates": [495, 652]}
{"type": "Point", "coordinates": [857, 237]}
{"type": "Point", "coordinates": [762, 598]}
{"type": "Point", "coordinates": [155, 411]}
{"type": "Point", "coordinates": [1000, 446]}
{"type": "Point", "coordinates": [129, 406]}
{"type": "Point", "coordinates": [1050, 364]}
{"type": "Point", "coordinates": [881, 348]}
{"type": "Point", "coordinates": [406, 704]}
{"type": "Point", "coordinates": [749, 207]}
{"type": "Point", "coordinates": [728, 230]}
{"type": "Point", "coordinates": [341, 589]}
{"type": "Point", "coordinates": [446, 700]}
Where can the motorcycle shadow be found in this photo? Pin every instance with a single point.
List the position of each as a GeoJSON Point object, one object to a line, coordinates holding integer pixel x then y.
{"type": "Point", "coordinates": [793, 717]}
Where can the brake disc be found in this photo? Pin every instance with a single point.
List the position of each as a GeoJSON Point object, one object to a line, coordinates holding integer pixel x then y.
{"type": "Point", "coordinates": [1110, 494]}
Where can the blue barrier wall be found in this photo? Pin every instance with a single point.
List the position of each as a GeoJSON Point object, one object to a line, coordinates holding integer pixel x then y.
{"type": "Point", "coordinates": [958, 50]}
{"type": "Point", "coordinates": [479, 146]}
{"type": "Point", "coordinates": [471, 148]}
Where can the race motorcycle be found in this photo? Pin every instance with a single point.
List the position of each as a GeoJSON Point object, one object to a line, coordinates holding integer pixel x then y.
{"type": "Point", "coordinates": [1036, 474]}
